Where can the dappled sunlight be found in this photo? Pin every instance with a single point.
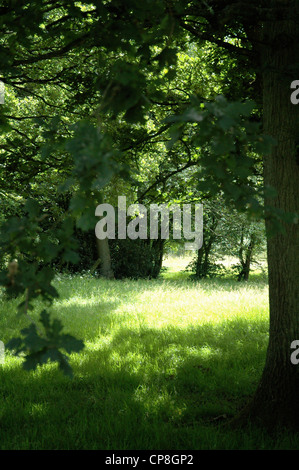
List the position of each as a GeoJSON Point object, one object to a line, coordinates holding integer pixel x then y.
{"type": "Point", "coordinates": [183, 376]}
{"type": "Point", "coordinates": [175, 352]}
{"type": "Point", "coordinates": [78, 301]}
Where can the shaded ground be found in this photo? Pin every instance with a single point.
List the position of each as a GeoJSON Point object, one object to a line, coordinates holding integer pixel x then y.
{"type": "Point", "coordinates": [167, 363]}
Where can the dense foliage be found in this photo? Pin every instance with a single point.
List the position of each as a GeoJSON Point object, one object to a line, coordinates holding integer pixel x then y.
{"type": "Point", "coordinates": [161, 101]}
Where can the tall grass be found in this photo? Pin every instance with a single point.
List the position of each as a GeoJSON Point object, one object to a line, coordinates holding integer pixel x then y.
{"type": "Point", "coordinates": [167, 362]}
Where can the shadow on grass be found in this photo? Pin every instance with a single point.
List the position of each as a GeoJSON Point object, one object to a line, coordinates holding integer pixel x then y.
{"type": "Point", "coordinates": [258, 278]}
{"type": "Point", "coordinates": [145, 389]}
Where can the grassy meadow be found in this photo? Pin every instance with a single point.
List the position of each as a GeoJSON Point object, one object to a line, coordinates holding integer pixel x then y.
{"type": "Point", "coordinates": [167, 363]}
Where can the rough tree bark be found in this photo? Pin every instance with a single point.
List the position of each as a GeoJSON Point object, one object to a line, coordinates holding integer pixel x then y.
{"type": "Point", "coordinates": [276, 399]}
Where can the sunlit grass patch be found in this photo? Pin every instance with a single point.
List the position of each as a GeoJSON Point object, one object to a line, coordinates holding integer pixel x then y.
{"type": "Point", "coordinates": [164, 361]}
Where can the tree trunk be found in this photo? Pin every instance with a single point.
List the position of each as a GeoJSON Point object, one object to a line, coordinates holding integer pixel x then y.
{"type": "Point", "coordinates": [245, 263]}
{"type": "Point", "coordinates": [249, 251]}
{"type": "Point", "coordinates": [276, 399]}
{"type": "Point", "coordinates": [158, 246]}
{"type": "Point", "coordinates": [199, 259]}
{"type": "Point", "coordinates": [203, 254]}
{"type": "Point", "coordinates": [206, 261]}
{"type": "Point", "coordinates": [105, 259]}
